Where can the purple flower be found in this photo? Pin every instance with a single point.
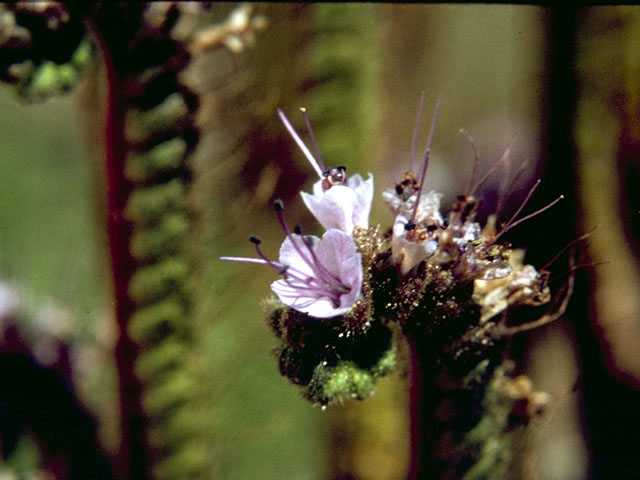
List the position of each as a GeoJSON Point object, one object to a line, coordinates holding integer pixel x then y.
{"type": "Point", "coordinates": [320, 277]}
{"type": "Point", "coordinates": [337, 201]}
{"type": "Point", "coordinates": [323, 277]}
{"type": "Point", "coordinates": [342, 206]}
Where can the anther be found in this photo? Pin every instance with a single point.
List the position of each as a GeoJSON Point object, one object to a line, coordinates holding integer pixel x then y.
{"type": "Point", "coordinates": [278, 205]}
{"type": "Point", "coordinates": [283, 269]}
{"type": "Point", "coordinates": [409, 226]}
{"type": "Point", "coordinates": [333, 176]}
{"type": "Point", "coordinates": [297, 229]}
{"type": "Point", "coordinates": [255, 240]}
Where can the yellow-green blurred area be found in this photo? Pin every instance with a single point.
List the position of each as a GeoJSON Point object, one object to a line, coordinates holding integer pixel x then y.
{"type": "Point", "coordinates": [359, 70]}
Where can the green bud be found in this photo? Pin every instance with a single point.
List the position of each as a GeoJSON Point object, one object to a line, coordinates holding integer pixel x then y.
{"type": "Point", "coordinates": [141, 125]}
{"type": "Point", "coordinates": [83, 54]}
{"type": "Point", "coordinates": [153, 320]}
{"type": "Point", "coordinates": [153, 361]}
{"type": "Point", "coordinates": [154, 241]}
{"type": "Point", "coordinates": [141, 167]}
{"type": "Point", "coordinates": [171, 391]}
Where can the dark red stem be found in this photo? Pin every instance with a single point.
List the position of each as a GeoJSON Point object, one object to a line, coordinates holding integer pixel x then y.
{"type": "Point", "coordinates": [132, 453]}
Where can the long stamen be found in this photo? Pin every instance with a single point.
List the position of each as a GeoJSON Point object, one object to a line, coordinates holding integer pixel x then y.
{"type": "Point", "coordinates": [510, 224]}
{"type": "Point", "coordinates": [524, 202]}
{"type": "Point", "coordinates": [530, 216]}
{"type": "Point", "coordinates": [285, 270]}
{"type": "Point", "coordinates": [246, 260]}
{"type": "Point", "coordinates": [505, 155]}
{"type": "Point", "coordinates": [300, 143]}
{"type": "Point", "coordinates": [263, 260]}
{"type": "Point", "coordinates": [425, 163]}
{"type": "Point", "coordinates": [416, 128]}
{"type": "Point", "coordinates": [582, 237]}
{"type": "Point", "coordinates": [503, 195]}
{"type": "Point", "coordinates": [313, 264]}
{"type": "Point", "coordinates": [328, 277]}
{"type": "Point", "coordinates": [278, 266]}
{"type": "Point", "coordinates": [476, 161]}
{"type": "Point", "coordinates": [279, 206]}
{"type": "Point", "coordinates": [313, 138]}
{"type": "Point", "coordinates": [577, 267]}
{"type": "Point", "coordinates": [303, 281]}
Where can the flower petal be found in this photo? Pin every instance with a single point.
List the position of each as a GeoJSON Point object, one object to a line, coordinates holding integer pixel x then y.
{"type": "Point", "coordinates": [334, 208]}
{"type": "Point", "coordinates": [406, 253]}
{"type": "Point", "coordinates": [336, 253]}
{"type": "Point", "coordinates": [342, 206]}
{"type": "Point", "coordinates": [290, 253]}
{"type": "Point", "coordinates": [364, 193]}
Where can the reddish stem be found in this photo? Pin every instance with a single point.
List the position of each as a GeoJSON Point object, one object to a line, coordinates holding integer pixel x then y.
{"type": "Point", "coordinates": [132, 453]}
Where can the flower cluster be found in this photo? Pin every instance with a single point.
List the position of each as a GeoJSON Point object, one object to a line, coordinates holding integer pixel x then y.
{"type": "Point", "coordinates": [443, 278]}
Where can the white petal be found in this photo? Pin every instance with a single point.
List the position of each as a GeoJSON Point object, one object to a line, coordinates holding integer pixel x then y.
{"type": "Point", "coordinates": [317, 189]}
{"type": "Point", "coordinates": [393, 200]}
{"type": "Point", "coordinates": [364, 193]}
{"type": "Point", "coordinates": [290, 254]}
{"type": "Point", "coordinates": [334, 208]}
{"type": "Point", "coordinates": [342, 206]}
{"type": "Point", "coordinates": [338, 254]}
{"type": "Point", "coordinates": [405, 253]}
{"type": "Point", "coordinates": [317, 307]}
{"type": "Point", "coordinates": [429, 208]}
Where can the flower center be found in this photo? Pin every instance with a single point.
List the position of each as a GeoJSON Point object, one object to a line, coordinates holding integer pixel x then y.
{"type": "Point", "coordinates": [322, 282]}
{"type": "Point", "coordinates": [333, 176]}
{"type": "Point", "coordinates": [307, 276]}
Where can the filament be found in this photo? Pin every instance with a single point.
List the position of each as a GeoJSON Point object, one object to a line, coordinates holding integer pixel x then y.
{"type": "Point", "coordinates": [300, 143]}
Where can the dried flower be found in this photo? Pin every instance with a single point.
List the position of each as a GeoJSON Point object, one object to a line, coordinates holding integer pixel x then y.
{"type": "Point", "coordinates": [523, 285]}
{"type": "Point", "coordinates": [418, 219]}
{"type": "Point", "coordinates": [411, 244]}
